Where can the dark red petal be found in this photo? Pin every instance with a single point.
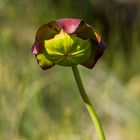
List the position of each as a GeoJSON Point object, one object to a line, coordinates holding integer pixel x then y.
{"type": "Point", "coordinates": [102, 46]}
{"type": "Point", "coordinates": [69, 25]}
{"type": "Point", "coordinates": [97, 52]}
{"type": "Point", "coordinates": [86, 31]}
{"type": "Point", "coordinates": [47, 31]}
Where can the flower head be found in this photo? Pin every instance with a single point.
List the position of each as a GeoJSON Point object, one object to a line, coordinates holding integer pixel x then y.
{"type": "Point", "coordinates": [67, 42]}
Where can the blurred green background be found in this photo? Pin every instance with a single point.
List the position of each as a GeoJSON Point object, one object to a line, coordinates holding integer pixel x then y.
{"type": "Point", "coordinates": [45, 105]}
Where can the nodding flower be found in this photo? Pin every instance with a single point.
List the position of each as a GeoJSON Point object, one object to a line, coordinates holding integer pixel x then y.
{"type": "Point", "coordinates": [67, 42]}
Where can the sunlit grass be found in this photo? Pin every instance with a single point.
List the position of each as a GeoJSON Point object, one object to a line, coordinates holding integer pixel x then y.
{"type": "Point", "coordinates": [38, 104]}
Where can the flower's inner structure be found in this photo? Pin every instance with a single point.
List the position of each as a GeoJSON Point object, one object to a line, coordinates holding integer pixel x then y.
{"type": "Point", "coordinates": [67, 50]}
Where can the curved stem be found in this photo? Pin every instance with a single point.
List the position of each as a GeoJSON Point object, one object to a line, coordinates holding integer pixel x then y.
{"type": "Point", "coordinates": [88, 104]}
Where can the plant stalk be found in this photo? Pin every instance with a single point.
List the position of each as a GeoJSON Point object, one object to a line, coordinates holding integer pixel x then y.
{"type": "Point", "coordinates": [88, 104]}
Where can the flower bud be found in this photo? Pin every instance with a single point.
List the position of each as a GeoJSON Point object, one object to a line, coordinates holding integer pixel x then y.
{"type": "Point", "coordinates": [67, 42]}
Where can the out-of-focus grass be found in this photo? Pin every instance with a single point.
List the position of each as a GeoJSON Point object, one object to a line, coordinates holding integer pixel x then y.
{"type": "Point", "coordinates": [45, 105]}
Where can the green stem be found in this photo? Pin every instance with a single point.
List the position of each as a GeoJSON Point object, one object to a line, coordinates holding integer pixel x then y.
{"type": "Point", "coordinates": [88, 104]}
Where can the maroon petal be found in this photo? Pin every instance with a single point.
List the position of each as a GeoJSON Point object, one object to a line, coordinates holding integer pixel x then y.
{"type": "Point", "coordinates": [47, 31]}
{"type": "Point", "coordinates": [86, 31]}
{"type": "Point", "coordinates": [102, 46]}
{"type": "Point", "coordinates": [69, 25]}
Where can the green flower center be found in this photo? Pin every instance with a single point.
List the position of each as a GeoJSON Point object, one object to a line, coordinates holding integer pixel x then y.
{"type": "Point", "coordinates": [67, 50]}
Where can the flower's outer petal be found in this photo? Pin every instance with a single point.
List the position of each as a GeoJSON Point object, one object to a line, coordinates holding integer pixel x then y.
{"type": "Point", "coordinates": [69, 25]}
{"type": "Point", "coordinates": [47, 31]}
{"type": "Point", "coordinates": [86, 31]}
{"type": "Point", "coordinates": [94, 56]}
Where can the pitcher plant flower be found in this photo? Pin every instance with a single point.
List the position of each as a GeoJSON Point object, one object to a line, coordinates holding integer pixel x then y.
{"type": "Point", "coordinates": [70, 42]}
{"type": "Point", "coordinates": [67, 42]}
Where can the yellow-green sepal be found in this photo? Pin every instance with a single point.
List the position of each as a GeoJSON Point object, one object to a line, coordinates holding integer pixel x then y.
{"type": "Point", "coordinates": [43, 61]}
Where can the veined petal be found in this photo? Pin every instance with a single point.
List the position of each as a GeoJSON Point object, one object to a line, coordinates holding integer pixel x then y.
{"type": "Point", "coordinates": [47, 31]}
{"type": "Point", "coordinates": [96, 53]}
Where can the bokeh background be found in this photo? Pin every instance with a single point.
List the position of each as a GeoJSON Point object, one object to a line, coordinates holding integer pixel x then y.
{"type": "Point", "coordinates": [45, 105]}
